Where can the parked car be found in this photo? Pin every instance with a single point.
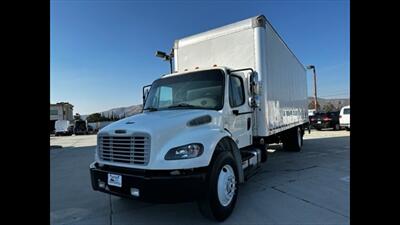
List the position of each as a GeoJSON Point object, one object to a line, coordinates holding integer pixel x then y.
{"type": "Point", "coordinates": [311, 114]}
{"type": "Point", "coordinates": [71, 128]}
{"type": "Point", "coordinates": [311, 118]}
{"type": "Point", "coordinates": [62, 128]}
{"type": "Point", "coordinates": [81, 127]}
{"type": "Point", "coordinates": [91, 130]}
{"type": "Point", "coordinates": [325, 120]}
{"type": "Point", "coordinates": [344, 117]}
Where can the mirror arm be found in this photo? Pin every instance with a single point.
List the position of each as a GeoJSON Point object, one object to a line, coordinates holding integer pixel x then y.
{"type": "Point", "coordinates": [232, 71]}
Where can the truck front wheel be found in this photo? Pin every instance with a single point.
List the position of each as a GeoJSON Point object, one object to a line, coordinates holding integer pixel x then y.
{"type": "Point", "coordinates": [221, 188]}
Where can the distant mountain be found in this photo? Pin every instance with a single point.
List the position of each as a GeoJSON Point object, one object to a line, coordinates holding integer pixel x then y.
{"type": "Point", "coordinates": [123, 111]}
{"type": "Point", "coordinates": [120, 111]}
{"type": "Point", "coordinates": [338, 103]}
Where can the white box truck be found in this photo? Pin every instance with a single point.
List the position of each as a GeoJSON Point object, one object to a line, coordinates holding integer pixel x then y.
{"type": "Point", "coordinates": [205, 127]}
{"type": "Point", "coordinates": [62, 127]}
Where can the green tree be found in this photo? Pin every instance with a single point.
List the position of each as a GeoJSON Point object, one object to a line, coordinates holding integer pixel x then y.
{"type": "Point", "coordinates": [311, 105]}
{"type": "Point", "coordinates": [328, 107]}
{"type": "Point", "coordinates": [95, 117]}
{"type": "Point", "coordinates": [112, 116]}
{"type": "Point", "coordinates": [77, 116]}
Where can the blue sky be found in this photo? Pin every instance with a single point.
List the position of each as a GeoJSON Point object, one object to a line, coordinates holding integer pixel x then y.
{"type": "Point", "coordinates": [102, 52]}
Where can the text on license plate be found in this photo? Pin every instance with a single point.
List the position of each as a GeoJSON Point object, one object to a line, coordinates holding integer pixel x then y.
{"type": "Point", "coordinates": [114, 180]}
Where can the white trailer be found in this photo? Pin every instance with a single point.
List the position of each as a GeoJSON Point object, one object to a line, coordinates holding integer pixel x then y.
{"type": "Point", "coordinates": [206, 126]}
{"type": "Point", "coordinates": [62, 127]}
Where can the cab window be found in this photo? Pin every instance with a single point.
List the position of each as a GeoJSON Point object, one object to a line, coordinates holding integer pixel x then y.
{"type": "Point", "coordinates": [236, 91]}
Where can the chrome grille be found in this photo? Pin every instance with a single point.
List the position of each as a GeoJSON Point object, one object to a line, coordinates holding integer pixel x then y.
{"type": "Point", "coordinates": [125, 149]}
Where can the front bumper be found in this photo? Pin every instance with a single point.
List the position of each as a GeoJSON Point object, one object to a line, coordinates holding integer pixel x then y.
{"type": "Point", "coordinates": [154, 185]}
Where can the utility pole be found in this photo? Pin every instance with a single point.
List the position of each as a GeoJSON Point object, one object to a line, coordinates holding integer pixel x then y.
{"type": "Point", "coordinates": [315, 86]}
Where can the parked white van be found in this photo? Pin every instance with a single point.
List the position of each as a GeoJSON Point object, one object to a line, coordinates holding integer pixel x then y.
{"type": "Point", "coordinates": [62, 127]}
{"type": "Point", "coordinates": [344, 117]}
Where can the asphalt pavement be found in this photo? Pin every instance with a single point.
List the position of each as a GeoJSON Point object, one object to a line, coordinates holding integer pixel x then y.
{"type": "Point", "coordinates": [307, 187]}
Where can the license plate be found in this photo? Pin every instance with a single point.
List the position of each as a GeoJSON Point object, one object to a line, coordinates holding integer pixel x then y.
{"type": "Point", "coordinates": [319, 122]}
{"type": "Point", "coordinates": [115, 180]}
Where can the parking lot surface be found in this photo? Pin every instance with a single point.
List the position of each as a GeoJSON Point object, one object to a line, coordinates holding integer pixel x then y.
{"type": "Point", "coordinates": [307, 187]}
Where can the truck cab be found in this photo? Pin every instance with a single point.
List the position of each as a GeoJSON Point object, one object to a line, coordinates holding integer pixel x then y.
{"type": "Point", "coordinates": [216, 91]}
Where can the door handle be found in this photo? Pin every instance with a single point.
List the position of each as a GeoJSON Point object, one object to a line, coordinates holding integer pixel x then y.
{"type": "Point", "coordinates": [236, 112]}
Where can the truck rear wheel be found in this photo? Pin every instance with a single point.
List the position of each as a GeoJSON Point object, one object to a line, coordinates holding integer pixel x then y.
{"type": "Point", "coordinates": [221, 188]}
{"type": "Point", "coordinates": [293, 140]}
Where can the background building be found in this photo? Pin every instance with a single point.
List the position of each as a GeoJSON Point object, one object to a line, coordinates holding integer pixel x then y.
{"type": "Point", "coordinates": [60, 111]}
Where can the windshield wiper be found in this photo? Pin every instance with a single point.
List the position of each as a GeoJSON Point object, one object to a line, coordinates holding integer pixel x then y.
{"type": "Point", "coordinates": [151, 109]}
{"type": "Point", "coordinates": [182, 105]}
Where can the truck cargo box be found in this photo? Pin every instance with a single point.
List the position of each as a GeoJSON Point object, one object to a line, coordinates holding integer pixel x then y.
{"type": "Point", "coordinates": [253, 43]}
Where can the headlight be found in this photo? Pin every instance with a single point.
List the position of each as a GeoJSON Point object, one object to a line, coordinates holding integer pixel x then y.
{"type": "Point", "coordinates": [185, 152]}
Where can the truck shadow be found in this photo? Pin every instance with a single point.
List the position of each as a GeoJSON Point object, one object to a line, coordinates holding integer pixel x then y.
{"type": "Point", "coordinates": [277, 172]}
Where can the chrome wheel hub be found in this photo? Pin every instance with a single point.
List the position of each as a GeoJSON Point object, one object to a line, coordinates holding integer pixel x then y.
{"type": "Point", "coordinates": [226, 185]}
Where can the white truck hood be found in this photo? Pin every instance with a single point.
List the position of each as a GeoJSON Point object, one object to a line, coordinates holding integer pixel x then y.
{"type": "Point", "coordinates": [155, 122]}
{"type": "Point", "coordinates": [167, 129]}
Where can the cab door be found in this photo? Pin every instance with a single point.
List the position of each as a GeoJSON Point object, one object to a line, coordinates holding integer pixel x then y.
{"type": "Point", "coordinates": [240, 115]}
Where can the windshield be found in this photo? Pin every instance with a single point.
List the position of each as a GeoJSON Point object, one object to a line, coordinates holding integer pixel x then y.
{"type": "Point", "coordinates": [201, 90]}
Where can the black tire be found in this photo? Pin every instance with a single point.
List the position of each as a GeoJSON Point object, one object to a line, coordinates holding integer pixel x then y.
{"type": "Point", "coordinates": [293, 140]}
{"type": "Point", "coordinates": [210, 206]}
{"type": "Point", "coordinates": [336, 127]}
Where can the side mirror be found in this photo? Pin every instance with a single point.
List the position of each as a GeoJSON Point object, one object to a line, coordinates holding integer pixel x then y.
{"type": "Point", "coordinates": [254, 83]}
{"type": "Point", "coordinates": [255, 101]}
{"type": "Point", "coordinates": [146, 90]}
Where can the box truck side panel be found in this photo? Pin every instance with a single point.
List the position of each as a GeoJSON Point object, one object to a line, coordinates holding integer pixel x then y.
{"type": "Point", "coordinates": [243, 45]}
{"type": "Point", "coordinates": [285, 86]}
